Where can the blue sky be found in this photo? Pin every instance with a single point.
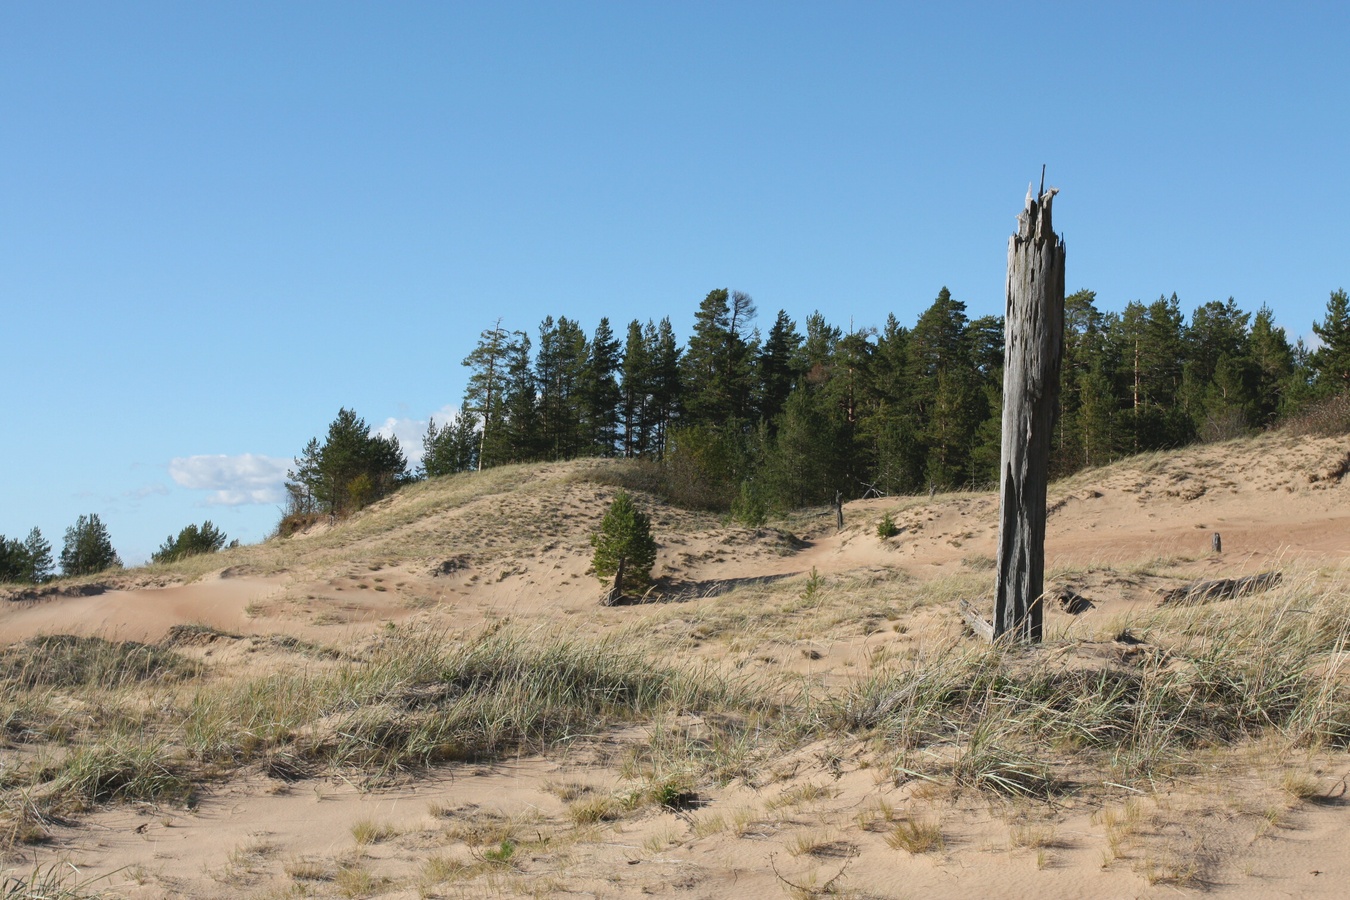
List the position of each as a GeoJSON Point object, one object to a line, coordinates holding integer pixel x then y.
{"type": "Point", "coordinates": [220, 223]}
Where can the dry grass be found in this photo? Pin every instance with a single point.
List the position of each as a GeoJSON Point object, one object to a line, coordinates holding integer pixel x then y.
{"type": "Point", "coordinates": [917, 836]}
{"type": "Point", "coordinates": [1329, 417]}
{"type": "Point", "coordinates": [1223, 687]}
{"type": "Point", "coordinates": [410, 699]}
{"type": "Point", "coordinates": [368, 831]}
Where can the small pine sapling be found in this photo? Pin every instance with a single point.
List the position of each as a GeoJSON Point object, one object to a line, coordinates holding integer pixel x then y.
{"type": "Point", "coordinates": [624, 548]}
{"type": "Point", "coordinates": [886, 528]}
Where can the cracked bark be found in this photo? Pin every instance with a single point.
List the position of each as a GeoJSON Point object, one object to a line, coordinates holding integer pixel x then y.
{"type": "Point", "coordinates": [1034, 329]}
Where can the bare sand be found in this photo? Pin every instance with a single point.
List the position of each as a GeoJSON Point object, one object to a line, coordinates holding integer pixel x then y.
{"type": "Point", "coordinates": [820, 824]}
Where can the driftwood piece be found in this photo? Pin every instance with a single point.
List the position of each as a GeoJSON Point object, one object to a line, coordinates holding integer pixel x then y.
{"type": "Point", "coordinates": [976, 621]}
{"type": "Point", "coordinates": [1220, 589]}
{"type": "Point", "coordinates": [1034, 326]}
{"type": "Point", "coordinates": [1216, 543]}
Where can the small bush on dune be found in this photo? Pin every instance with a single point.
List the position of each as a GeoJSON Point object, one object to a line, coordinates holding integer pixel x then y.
{"type": "Point", "coordinates": [1329, 417]}
{"type": "Point", "coordinates": [887, 528]}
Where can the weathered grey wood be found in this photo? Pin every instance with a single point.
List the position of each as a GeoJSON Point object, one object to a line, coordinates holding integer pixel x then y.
{"type": "Point", "coordinates": [838, 510]}
{"type": "Point", "coordinates": [976, 621]}
{"type": "Point", "coordinates": [1217, 543]}
{"type": "Point", "coordinates": [1220, 589]}
{"type": "Point", "coordinates": [1034, 330]}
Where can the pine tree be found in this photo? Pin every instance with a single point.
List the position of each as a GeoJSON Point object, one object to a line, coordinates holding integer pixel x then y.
{"type": "Point", "coordinates": [666, 384]}
{"type": "Point", "coordinates": [483, 394]}
{"type": "Point", "coordinates": [601, 392]}
{"type": "Point", "coordinates": [888, 426]}
{"type": "Point", "coordinates": [351, 469]}
{"type": "Point", "coordinates": [1218, 377]}
{"type": "Point", "coordinates": [518, 438]}
{"type": "Point", "coordinates": [1083, 346]}
{"type": "Point", "coordinates": [1152, 339]}
{"type": "Point", "coordinates": [953, 426]}
{"type": "Point", "coordinates": [805, 459]}
{"type": "Point", "coordinates": [25, 562]}
{"type": "Point", "coordinates": [450, 448]}
{"type": "Point", "coordinates": [778, 368]}
{"type": "Point", "coordinates": [946, 389]}
{"type": "Point", "coordinates": [1273, 365]}
{"type": "Point", "coordinates": [635, 393]}
{"type": "Point", "coordinates": [1096, 417]}
{"type": "Point", "coordinates": [88, 549]}
{"type": "Point", "coordinates": [13, 561]}
{"type": "Point", "coordinates": [624, 548]}
{"type": "Point", "coordinates": [717, 373]}
{"type": "Point", "coordinates": [1331, 361]}
{"type": "Point", "coordinates": [560, 374]}
{"type": "Point", "coordinates": [818, 349]}
{"type": "Point", "coordinates": [191, 541]}
{"type": "Point", "coordinates": [938, 341]}
{"type": "Point", "coordinates": [39, 552]}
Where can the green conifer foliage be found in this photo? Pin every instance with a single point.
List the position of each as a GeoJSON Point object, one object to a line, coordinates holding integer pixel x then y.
{"type": "Point", "coordinates": [191, 541]}
{"type": "Point", "coordinates": [25, 562]}
{"type": "Point", "coordinates": [452, 447]}
{"type": "Point", "coordinates": [1331, 361]}
{"type": "Point", "coordinates": [349, 470]}
{"type": "Point", "coordinates": [88, 548]}
{"type": "Point", "coordinates": [39, 553]}
{"type": "Point", "coordinates": [624, 548]}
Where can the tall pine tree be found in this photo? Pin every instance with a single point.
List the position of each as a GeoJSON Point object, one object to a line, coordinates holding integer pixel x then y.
{"type": "Point", "coordinates": [1331, 361]}
{"type": "Point", "coordinates": [601, 394]}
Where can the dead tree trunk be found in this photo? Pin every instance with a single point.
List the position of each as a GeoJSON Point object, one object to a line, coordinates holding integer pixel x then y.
{"type": "Point", "coordinates": [1034, 329]}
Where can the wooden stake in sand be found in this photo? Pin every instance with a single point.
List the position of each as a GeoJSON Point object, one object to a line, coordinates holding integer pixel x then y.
{"type": "Point", "coordinates": [1034, 329]}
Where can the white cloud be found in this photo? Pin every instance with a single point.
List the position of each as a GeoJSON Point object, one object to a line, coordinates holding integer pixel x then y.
{"type": "Point", "coordinates": [233, 480]}
{"type": "Point", "coordinates": [411, 431]}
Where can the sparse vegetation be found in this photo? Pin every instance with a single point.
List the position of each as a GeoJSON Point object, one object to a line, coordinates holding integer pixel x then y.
{"type": "Point", "coordinates": [1328, 417]}
{"type": "Point", "coordinates": [916, 836]}
{"type": "Point", "coordinates": [887, 528]}
{"type": "Point", "coordinates": [812, 678]}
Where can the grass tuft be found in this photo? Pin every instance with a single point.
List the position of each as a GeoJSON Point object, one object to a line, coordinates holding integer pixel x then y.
{"type": "Point", "coordinates": [916, 836]}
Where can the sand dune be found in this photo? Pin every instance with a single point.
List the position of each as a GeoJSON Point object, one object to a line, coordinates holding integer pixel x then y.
{"type": "Point", "coordinates": [795, 599]}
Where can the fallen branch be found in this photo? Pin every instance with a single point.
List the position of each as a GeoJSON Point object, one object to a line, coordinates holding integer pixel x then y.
{"type": "Point", "coordinates": [807, 890]}
{"type": "Point", "coordinates": [1220, 589]}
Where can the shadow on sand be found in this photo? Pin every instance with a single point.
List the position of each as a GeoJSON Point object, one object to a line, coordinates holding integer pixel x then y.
{"type": "Point", "coordinates": [667, 590]}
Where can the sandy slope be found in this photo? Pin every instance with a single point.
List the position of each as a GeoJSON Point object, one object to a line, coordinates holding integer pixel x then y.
{"type": "Point", "coordinates": [1117, 535]}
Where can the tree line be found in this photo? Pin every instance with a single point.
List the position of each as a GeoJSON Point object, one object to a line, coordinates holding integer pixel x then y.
{"type": "Point", "coordinates": [757, 421]}
{"type": "Point", "coordinates": [88, 550]}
